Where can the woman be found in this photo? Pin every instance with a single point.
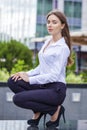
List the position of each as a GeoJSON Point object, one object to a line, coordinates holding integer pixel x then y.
{"type": "Point", "coordinates": [43, 89]}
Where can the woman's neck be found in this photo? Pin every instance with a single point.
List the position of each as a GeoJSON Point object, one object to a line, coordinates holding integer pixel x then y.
{"type": "Point", "coordinates": [56, 38]}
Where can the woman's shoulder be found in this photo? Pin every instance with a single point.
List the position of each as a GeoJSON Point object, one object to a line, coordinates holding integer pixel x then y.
{"type": "Point", "coordinates": [62, 46]}
{"type": "Point", "coordinates": [46, 41]}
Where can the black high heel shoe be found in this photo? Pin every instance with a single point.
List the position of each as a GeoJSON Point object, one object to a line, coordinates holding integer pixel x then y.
{"type": "Point", "coordinates": [56, 123]}
{"type": "Point", "coordinates": [35, 122]}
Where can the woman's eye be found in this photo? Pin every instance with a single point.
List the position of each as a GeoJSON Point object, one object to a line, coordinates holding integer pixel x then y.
{"type": "Point", "coordinates": [48, 22]}
{"type": "Point", "coordinates": [54, 22]}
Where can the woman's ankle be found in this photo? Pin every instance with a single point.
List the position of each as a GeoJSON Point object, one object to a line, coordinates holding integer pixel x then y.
{"type": "Point", "coordinates": [55, 115]}
{"type": "Point", "coordinates": [36, 115]}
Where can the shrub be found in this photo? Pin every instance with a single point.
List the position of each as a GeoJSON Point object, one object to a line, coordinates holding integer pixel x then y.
{"type": "Point", "coordinates": [4, 75]}
{"type": "Point", "coordinates": [72, 78]}
{"type": "Point", "coordinates": [19, 66]}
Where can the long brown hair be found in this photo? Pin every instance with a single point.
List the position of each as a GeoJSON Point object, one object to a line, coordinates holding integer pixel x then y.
{"type": "Point", "coordinates": [65, 30]}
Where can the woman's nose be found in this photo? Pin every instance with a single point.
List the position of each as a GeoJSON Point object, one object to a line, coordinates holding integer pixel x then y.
{"type": "Point", "coordinates": [50, 24]}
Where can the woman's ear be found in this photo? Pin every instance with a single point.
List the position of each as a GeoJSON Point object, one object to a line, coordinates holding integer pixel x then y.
{"type": "Point", "coordinates": [63, 25]}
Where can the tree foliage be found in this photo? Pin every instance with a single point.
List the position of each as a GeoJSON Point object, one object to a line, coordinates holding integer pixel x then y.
{"type": "Point", "coordinates": [19, 66]}
{"type": "Point", "coordinates": [13, 51]}
{"type": "Point", "coordinates": [72, 78]}
{"type": "Point", "coordinates": [73, 66]}
{"type": "Point", "coordinates": [4, 75]}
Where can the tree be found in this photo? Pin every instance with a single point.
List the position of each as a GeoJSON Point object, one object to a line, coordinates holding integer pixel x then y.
{"type": "Point", "coordinates": [12, 51]}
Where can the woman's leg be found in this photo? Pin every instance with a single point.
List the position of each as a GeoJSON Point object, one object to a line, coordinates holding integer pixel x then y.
{"type": "Point", "coordinates": [55, 115]}
{"type": "Point", "coordinates": [46, 99]}
{"type": "Point", "coordinates": [40, 100]}
{"type": "Point", "coordinates": [20, 86]}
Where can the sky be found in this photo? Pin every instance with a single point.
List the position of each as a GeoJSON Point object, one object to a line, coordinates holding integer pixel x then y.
{"type": "Point", "coordinates": [18, 18]}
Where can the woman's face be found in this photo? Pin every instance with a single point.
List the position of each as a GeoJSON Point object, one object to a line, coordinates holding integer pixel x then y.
{"type": "Point", "coordinates": [54, 25]}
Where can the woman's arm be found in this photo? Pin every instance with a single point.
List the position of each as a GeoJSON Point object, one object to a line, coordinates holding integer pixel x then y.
{"type": "Point", "coordinates": [33, 72]}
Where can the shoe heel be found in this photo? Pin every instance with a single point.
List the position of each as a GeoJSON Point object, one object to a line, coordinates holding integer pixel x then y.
{"type": "Point", "coordinates": [44, 120]}
{"type": "Point", "coordinates": [64, 117]}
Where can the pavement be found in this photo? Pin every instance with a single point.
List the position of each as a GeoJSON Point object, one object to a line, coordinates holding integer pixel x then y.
{"type": "Point", "coordinates": [20, 125]}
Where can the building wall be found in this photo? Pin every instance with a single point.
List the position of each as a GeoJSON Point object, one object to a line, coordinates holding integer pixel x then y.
{"type": "Point", "coordinates": [76, 107]}
{"type": "Point", "coordinates": [84, 15]}
{"type": "Point", "coordinates": [8, 111]}
{"type": "Point", "coordinates": [17, 19]}
{"type": "Point", "coordinates": [61, 5]}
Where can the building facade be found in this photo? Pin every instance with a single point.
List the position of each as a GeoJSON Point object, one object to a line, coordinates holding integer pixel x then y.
{"type": "Point", "coordinates": [75, 10]}
{"type": "Point", "coordinates": [43, 7]}
{"type": "Point", "coordinates": [24, 19]}
{"type": "Point", "coordinates": [17, 19]}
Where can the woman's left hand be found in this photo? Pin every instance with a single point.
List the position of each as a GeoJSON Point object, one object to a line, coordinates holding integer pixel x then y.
{"type": "Point", "coordinates": [21, 75]}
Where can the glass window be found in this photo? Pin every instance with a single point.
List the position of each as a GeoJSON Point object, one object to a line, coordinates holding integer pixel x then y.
{"type": "Point", "coordinates": [72, 9]}
{"type": "Point", "coordinates": [43, 7]}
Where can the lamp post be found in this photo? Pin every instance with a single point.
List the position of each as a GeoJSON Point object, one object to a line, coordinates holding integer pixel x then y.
{"type": "Point", "coordinates": [79, 58]}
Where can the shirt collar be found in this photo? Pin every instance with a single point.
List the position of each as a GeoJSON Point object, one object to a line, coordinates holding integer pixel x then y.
{"type": "Point", "coordinates": [59, 42]}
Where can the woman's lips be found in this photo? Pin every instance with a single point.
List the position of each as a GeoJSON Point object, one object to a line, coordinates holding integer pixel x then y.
{"type": "Point", "coordinates": [50, 29]}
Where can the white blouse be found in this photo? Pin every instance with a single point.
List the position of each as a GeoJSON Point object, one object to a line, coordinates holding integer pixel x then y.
{"type": "Point", "coordinates": [52, 63]}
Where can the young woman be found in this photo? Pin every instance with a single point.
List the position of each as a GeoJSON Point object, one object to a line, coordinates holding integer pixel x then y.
{"type": "Point", "coordinates": [43, 89]}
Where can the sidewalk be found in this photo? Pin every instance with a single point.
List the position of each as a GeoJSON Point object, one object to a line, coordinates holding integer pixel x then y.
{"type": "Point", "coordinates": [17, 125]}
{"type": "Point", "coordinates": [13, 125]}
{"type": "Point", "coordinates": [21, 125]}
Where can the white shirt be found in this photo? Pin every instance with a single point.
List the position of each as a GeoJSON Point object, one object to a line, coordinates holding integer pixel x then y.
{"type": "Point", "coordinates": [52, 63]}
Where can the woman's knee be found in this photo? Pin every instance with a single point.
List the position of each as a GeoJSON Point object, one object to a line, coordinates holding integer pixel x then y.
{"type": "Point", "coordinates": [10, 82]}
{"type": "Point", "coordinates": [16, 99]}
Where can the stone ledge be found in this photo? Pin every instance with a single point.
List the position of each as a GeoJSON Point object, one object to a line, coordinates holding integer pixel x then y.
{"type": "Point", "coordinates": [4, 84]}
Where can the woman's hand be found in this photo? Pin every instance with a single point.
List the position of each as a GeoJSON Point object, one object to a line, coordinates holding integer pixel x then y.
{"type": "Point", "coordinates": [21, 75]}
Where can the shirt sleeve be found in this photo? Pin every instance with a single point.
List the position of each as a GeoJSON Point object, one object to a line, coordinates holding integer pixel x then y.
{"type": "Point", "coordinates": [59, 63]}
{"type": "Point", "coordinates": [35, 71]}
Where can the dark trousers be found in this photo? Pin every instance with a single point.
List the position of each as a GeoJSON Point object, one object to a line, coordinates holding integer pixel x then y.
{"type": "Point", "coordinates": [39, 98]}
